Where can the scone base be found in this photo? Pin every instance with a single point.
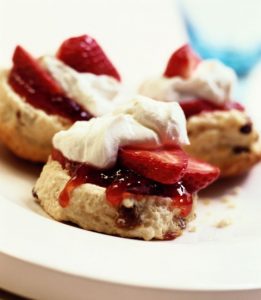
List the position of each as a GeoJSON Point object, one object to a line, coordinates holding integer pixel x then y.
{"type": "Point", "coordinates": [89, 208]}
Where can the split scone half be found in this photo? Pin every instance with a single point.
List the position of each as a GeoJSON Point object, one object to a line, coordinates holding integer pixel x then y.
{"type": "Point", "coordinates": [219, 129]}
{"type": "Point", "coordinates": [226, 139]}
{"type": "Point", "coordinates": [125, 173]}
{"type": "Point", "coordinates": [40, 97]}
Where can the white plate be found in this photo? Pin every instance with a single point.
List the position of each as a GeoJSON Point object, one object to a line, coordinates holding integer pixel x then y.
{"type": "Point", "coordinates": [55, 260]}
{"type": "Point", "coordinates": [44, 259]}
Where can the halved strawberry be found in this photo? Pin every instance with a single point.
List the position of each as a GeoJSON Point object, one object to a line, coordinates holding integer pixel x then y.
{"type": "Point", "coordinates": [164, 166]}
{"type": "Point", "coordinates": [198, 175]}
{"type": "Point", "coordinates": [32, 73]}
{"type": "Point", "coordinates": [31, 81]}
{"type": "Point", "coordinates": [182, 62]}
{"type": "Point", "coordinates": [84, 54]}
{"type": "Point", "coordinates": [197, 106]}
{"type": "Point", "coordinates": [234, 105]}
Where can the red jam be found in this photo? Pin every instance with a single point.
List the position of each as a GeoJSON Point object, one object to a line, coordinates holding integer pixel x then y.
{"type": "Point", "coordinates": [120, 181]}
{"type": "Point", "coordinates": [170, 236]}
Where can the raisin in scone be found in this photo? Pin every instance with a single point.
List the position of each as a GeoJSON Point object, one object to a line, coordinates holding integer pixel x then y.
{"type": "Point", "coordinates": [125, 173]}
{"type": "Point", "coordinates": [219, 129]}
{"type": "Point", "coordinates": [39, 97]}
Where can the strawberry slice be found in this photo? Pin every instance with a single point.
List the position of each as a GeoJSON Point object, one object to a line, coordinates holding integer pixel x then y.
{"type": "Point", "coordinates": [234, 105]}
{"type": "Point", "coordinates": [198, 175]}
{"type": "Point", "coordinates": [182, 62]}
{"type": "Point", "coordinates": [84, 54]}
{"type": "Point", "coordinates": [197, 106]}
{"type": "Point", "coordinates": [32, 72]}
{"type": "Point", "coordinates": [164, 166]}
{"type": "Point", "coordinates": [31, 81]}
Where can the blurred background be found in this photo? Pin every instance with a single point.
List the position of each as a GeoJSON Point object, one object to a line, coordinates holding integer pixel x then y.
{"type": "Point", "coordinates": [139, 35]}
{"type": "Point", "coordinates": [229, 30]}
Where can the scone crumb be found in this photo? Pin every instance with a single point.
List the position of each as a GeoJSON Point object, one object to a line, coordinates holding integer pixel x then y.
{"type": "Point", "coordinates": [206, 201]}
{"type": "Point", "coordinates": [235, 191]}
{"type": "Point", "coordinates": [228, 201]}
{"type": "Point", "coordinates": [231, 205]}
{"type": "Point", "coordinates": [223, 223]}
{"type": "Point", "coordinates": [225, 199]}
{"type": "Point", "coordinates": [192, 229]}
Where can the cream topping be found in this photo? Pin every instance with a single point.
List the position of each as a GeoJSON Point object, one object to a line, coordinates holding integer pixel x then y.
{"type": "Point", "coordinates": [142, 122]}
{"type": "Point", "coordinates": [211, 80]}
{"type": "Point", "coordinates": [99, 94]}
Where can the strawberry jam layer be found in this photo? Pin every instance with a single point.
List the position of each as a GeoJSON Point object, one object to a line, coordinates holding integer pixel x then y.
{"type": "Point", "coordinates": [120, 182]}
{"type": "Point", "coordinates": [196, 106]}
{"type": "Point", "coordinates": [51, 103]}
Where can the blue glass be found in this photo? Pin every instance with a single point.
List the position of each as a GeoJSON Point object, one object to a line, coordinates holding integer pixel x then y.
{"type": "Point", "coordinates": [227, 30]}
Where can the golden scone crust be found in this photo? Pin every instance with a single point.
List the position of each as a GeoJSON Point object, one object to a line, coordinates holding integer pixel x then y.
{"type": "Point", "coordinates": [226, 139]}
{"type": "Point", "coordinates": [25, 130]}
{"type": "Point", "coordinates": [89, 208]}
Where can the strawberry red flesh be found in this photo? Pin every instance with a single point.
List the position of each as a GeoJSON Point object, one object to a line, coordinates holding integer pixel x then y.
{"type": "Point", "coordinates": [84, 54]}
{"type": "Point", "coordinates": [182, 62]}
{"type": "Point", "coordinates": [199, 175]}
{"type": "Point", "coordinates": [164, 166]}
{"type": "Point", "coordinates": [234, 105]}
{"type": "Point", "coordinates": [32, 82]}
{"type": "Point", "coordinates": [197, 106]}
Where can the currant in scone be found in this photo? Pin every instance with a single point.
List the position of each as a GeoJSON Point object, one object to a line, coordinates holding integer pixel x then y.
{"type": "Point", "coordinates": [125, 173]}
{"type": "Point", "coordinates": [219, 129]}
{"type": "Point", "coordinates": [39, 97]}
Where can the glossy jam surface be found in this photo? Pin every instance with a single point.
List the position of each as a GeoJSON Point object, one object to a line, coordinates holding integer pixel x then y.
{"type": "Point", "coordinates": [39, 96]}
{"type": "Point", "coordinates": [119, 182]}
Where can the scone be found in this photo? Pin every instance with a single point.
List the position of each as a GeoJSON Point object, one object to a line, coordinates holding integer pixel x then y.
{"type": "Point", "coordinates": [39, 97]}
{"type": "Point", "coordinates": [219, 129]}
{"type": "Point", "coordinates": [226, 139]}
{"type": "Point", "coordinates": [125, 173]}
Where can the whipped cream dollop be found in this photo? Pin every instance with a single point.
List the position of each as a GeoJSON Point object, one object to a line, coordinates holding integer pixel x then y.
{"type": "Point", "coordinates": [99, 94]}
{"type": "Point", "coordinates": [211, 80]}
{"type": "Point", "coordinates": [142, 123]}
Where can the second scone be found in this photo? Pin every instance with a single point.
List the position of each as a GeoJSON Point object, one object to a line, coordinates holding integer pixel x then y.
{"type": "Point", "coordinates": [40, 97]}
{"type": "Point", "coordinates": [219, 128]}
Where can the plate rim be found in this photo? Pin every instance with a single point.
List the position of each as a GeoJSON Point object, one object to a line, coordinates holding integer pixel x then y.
{"type": "Point", "coordinates": [68, 271]}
